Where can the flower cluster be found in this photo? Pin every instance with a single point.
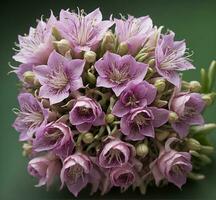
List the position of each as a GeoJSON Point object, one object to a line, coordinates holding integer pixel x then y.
{"type": "Point", "coordinates": [108, 107]}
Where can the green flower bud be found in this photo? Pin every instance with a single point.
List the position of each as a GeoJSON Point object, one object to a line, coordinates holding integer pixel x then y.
{"type": "Point", "coordinates": [109, 118]}
{"type": "Point", "coordinates": [195, 176]}
{"type": "Point", "coordinates": [193, 144]}
{"type": "Point", "coordinates": [151, 63]}
{"type": "Point", "coordinates": [122, 49]}
{"type": "Point", "coordinates": [204, 129]}
{"type": "Point", "coordinates": [209, 98]}
{"type": "Point", "coordinates": [162, 135]}
{"type": "Point", "coordinates": [90, 56]}
{"type": "Point", "coordinates": [160, 103]}
{"type": "Point", "coordinates": [62, 46]}
{"type": "Point", "coordinates": [29, 77]}
{"type": "Point", "coordinates": [56, 34]}
{"type": "Point", "coordinates": [90, 77]}
{"type": "Point", "coordinates": [195, 86]}
{"type": "Point", "coordinates": [173, 117]}
{"type": "Point", "coordinates": [108, 42]}
{"type": "Point", "coordinates": [27, 149]}
{"type": "Point", "coordinates": [88, 138]}
{"type": "Point", "coordinates": [160, 85]}
{"type": "Point", "coordinates": [142, 150]}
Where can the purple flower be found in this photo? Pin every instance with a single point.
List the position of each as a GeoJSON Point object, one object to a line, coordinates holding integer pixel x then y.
{"type": "Point", "coordinates": [116, 153]}
{"type": "Point", "coordinates": [85, 113]}
{"type": "Point", "coordinates": [122, 176]}
{"type": "Point", "coordinates": [116, 71]}
{"type": "Point", "coordinates": [140, 122]}
{"type": "Point", "coordinates": [133, 31]}
{"type": "Point", "coordinates": [133, 96]}
{"type": "Point", "coordinates": [188, 107]}
{"type": "Point", "coordinates": [55, 136]}
{"type": "Point", "coordinates": [170, 58]}
{"type": "Point", "coordinates": [45, 168]}
{"type": "Point", "coordinates": [37, 45]}
{"type": "Point", "coordinates": [31, 116]}
{"type": "Point", "coordinates": [172, 166]}
{"type": "Point", "coordinates": [83, 32]}
{"type": "Point", "coordinates": [77, 172]}
{"type": "Point", "coordinates": [59, 77]}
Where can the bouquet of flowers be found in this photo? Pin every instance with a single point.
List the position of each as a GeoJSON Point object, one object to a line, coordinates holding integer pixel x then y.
{"type": "Point", "coordinates": [103, 103]}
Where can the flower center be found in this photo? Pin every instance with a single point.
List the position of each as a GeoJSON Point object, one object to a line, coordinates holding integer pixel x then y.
{"type": "Point", "coordinates": [119, 76]}
{"type": "Point", "coordinates": [140, 119]}
{"type": "Point", "coordinates": [58, 79]}
{"type": "Point", "coordinates": [115, 156]}
{"type": "Point", "coordinates": [75, 172]}
{"type": "Point", "coordinates": [132, 101]}
{"type": "Point", "coordinates": [53, 136]}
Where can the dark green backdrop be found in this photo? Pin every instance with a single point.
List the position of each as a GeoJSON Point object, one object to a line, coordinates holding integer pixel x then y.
{"type": "Point", "coordinates": [194, 20]}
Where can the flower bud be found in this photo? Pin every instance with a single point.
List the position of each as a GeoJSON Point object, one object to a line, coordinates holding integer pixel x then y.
{"type": "Point", "coordinates": [195, 176]}
{"type": "Point", "coordinates": [203, 129]}
{"type": "Point", "coordinates": [27, 149]}
{"type": "Point", "coordinates": [195, 86]}
{"type": "Point", "coordinates": [56, 34]}
{"type": "Point", "coordinates": [90, 77]}
{"type": "Point", "coordinates": [160, 103]}
{"type": "Point", "coordinates": [193, 144]}
{"type": "Point", "coordinates": [29, 77]}
{"type": "Point", "coordinates": [142, 150]}
{"type": "Point", "coordinates": [90, 56]}
{"type": "Point", "coordinates": [62, 46]}
{"type": "Point", "coordinates": [160, 85]}
{"type": "Point", "coordinates": [122, 48]}
{"type": "Point", "coordinates": [88, 138]}
{"type": "Point", "coordinates": [209, 98]}
{"type": "Point", "coordinates": [173, 117]}
{"type": "Point", "coordinates": [108, 42]}
{"type": "Point", "coordinates": [162, 135]}
{"type": "Point", "coordinates": [151, 63]}
{"type": "Point", "coordinates": [109, 118]}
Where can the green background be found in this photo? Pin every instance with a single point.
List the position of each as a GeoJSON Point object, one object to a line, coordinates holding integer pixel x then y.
{"type": "Point", "coordinates": [193, 20]}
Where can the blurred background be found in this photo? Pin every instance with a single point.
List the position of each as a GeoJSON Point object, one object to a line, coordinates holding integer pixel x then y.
{"type": "Point", "coordinates": [193, 20]}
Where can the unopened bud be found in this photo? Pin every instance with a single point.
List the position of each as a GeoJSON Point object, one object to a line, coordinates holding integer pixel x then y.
{"type": "Point", "coordinates": [109, 118]}
{"type": "Point", "coordinates": [160, 85]}
{"type": "Point", "coordinates": [122, 48]}
{"type": "Point", "coordinates": [90, 56]}
{"type": "Point", "coordinates": [56, 33]}
{"type": "Point", "coordinates": [88, 138]}
{"type": "Point", "coordinates": [29, 77]}
{"type": "Point", "coordinates": [142, 150]}
{"type": "Point", "coordinates": [27, 149]}
{"type": "Point", "coordinates": [151, 63]}
{"type": "Point", "coordinates": [90, 77]}
{"type": "Point", "coordinates": [209, 98]}
{"type": "Point", "coordinates": [162, 135]}
{"type": "Point", "coordinates": [193, 144]}
{"type": "Point", "coordinates": [173, 117]}
{"type": "Point", "coordinates": [108, 42]}
{"type": "Point", "coordinates": [62, 46]}
{"type": "Point", "coordinates": [195, 86]}
{"type": "Point", "coordinates": [160, 103]}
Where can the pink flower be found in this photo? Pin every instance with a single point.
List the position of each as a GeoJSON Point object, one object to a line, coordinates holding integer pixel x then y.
{"type": "Point", "coordinates": [188, 107]}
{"type": "Point", "coordinates": [171, 165]}
{"type": "Point", "coordinates": [116, 71]}
{"type": "Point", "coordinates": [45, 168]}
{"type": "Point", "coordinates": [133, 31]}
{"type": "Point", "coordinates": [59, 77]}
{"type": "Point", "coordinates": [133, 96]}
{"type": "Point", "coordinates": [123, 176]}
{"type": "Point", "coordinates": [31, 116]}
{"type": "Point", "coordinates": [116, 153]}
{"type": "Point", "coordinates": [77, 172]}
{"type": "Point", "coordinates": [55, 136]}
{"type": "Point", "coordinates": [140, 122]}
{"type": "Point", "coordinates": [170, 58]}
{"type": "Point", "coordinates": [83, 32]}
{"type": "Point", "coordinates": [37, 45]}
{"type": "Point", "coordinates": [85, 113]}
